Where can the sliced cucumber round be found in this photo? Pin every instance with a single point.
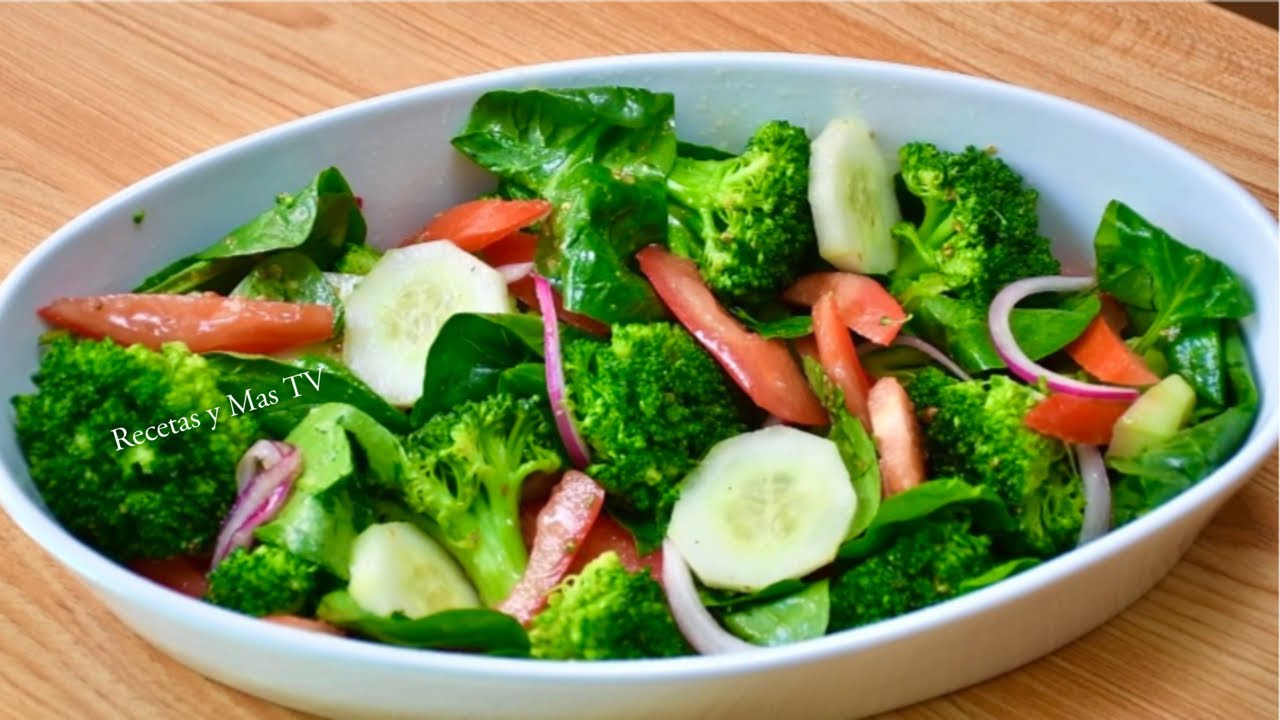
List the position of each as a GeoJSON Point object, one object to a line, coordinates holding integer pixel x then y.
{"type": "Point", "coordinates": [396, 311]}
{"type": "Point", "coordinates": [395, 567]}
{"type": "Point", "coordinates": [762, 507]}
{"type": "Point", "coordinates": [851, 194]}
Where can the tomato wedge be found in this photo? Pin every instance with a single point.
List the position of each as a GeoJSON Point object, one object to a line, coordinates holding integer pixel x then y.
{"type": "Point", "coordinates": [764, 369]}
{"type": "Point", "coordinates": [204, 322]}
{"type": "Point", "coordinates": [839, 359]}
{"type": "Point", "coordinates": [562, 525]}
{"type": "Point", "coordinates": [476, 224]}
{"type": "Point", "coordinates": [518, 247]}
{"type": "Point", "coordinates": [899, 444]}
{"type": "Point", "coordinates": [1103, 354]}
{"type": "Point", "coordinates": [523, 291]}
{"type": "Point", "coordinates": [180, 573]}
{"type": "Point", "coordinates": [865, 306]}
{"type": "Point", "coordinates": [1076, 419]}
{"type": "Point", "coordinates": [609, 535]}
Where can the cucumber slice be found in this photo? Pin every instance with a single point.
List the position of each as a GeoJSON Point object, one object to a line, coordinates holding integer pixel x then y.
{"type": "Point", "coordinates": [1155, 416]}
{"type": "Point", "coordinates": [851, 194]}
{"type": "Point", "coordinates": [395, 567]}
{"type": "Point", "coordinates": [762, 507]}
{"type": "Point", "coordinates": [396, 311]}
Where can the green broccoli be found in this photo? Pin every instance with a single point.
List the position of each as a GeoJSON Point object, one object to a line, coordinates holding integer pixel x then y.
{"type": "Point", "coordinates": [974, 430]}
{"type": "Point", "coordinates": [649, 403]}
{"type": "Point", "coordinates": [466, 470]}
{"type": "Point", "coordinates": [979, 232]}
{"type": "Point", "coordinates": [606, 613]}
{"type": "Point", "coordinates": [922, 566]}
{"type": "Point", "coordinates": [358, 259]}
{"type": "Point", "coordinates": [745, 220]}
{"type": "Point", "coordinates": [166, 495]}
{"type": "Point", "coordinates": [268, 580]}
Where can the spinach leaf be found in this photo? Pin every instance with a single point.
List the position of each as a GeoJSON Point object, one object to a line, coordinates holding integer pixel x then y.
{"type": "Point", "coordinates": [729, 601]}
{"type": "Point", "coordinates": [1235, 355]}
{"type": "Point", "coordinates": [959, 328]}
{"type": "Point", "coordinates": [786, 328]}
{"type": "Point", "coordinates": [799, 616]}
{"type": "Point", "coordinates": [857, 450]}
{"type": "Point", "coordinates": [337, 385]}
{"type": "Point", "coordinates": [1143, 266]}
{"type": "Point", "coordinates": [291, 277]}
{"type": "Point", "coordinates": [472, 354]}
{"type": "Point", "coordinates": [600, 156]}
{"type": "Point", "coordinates": [996, 574]}
{"type": "Point", "coordinates": [899, 511]}
{"type": "Point", "coordinates": [694, 151]}
{"type": "Point", "coordinates": [1195, 353]}
{"type": "Point", "coordinates": [477, 630]}
{"type": "Point", "coordinates": [320, 220]}
{"type": "Point", "coordinates": [1043, 331]}
{"type": "Point", "coordinates": [322, 517]}
{"type": "Point", "coordinates": [524, 380]}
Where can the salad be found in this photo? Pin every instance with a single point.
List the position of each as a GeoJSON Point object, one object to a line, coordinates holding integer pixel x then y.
{"type": "Point", "coordinates": [646, 398]}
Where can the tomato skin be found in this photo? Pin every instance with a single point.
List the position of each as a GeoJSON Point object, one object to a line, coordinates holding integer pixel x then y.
{"type": "Point", "coordinates": [839, 359]}
{"type": "Point", "coordinates": [1103, 354]}
{"type": "Point", "coordinates": [899, 443]}
{"type": "Point", "coordinates": [476, 224]}
{"type": "Point", "coordinates": [608, 535]}
{"type": "Point", "coordinates": [205, 322]}
{"type": "Point", "coordinates": [864, 305]}
{"type": "Point", "coordinates": [764, 369]}
{"type": "Point", "coordinates": [518, 247]}
{"type": "Point", "coordinates": [562, 525]}
{"type": "Point", "coordinates": [181, 573]}
{"type": "Point", "coordinates": [1076, 419]}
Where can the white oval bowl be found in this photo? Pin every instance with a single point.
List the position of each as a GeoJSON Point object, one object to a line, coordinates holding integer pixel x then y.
{"type": "Point", "coordinates": [395, 152]}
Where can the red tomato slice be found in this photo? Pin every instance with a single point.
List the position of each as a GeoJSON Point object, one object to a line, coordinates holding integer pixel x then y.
{"type": "Point", "coordinates": [477, 224]}
{"type": "Point", "coordinates": [204, 322]}
{"type": "Point", "coordinates": [1103, 354]}
{"type": "Point", "coordinates": [609, 535]}
{"type": "Point", "coordinates": [523, 291]}
{"type": "Point", "coordinates": [518, 247]}
{"type": "Point", "coordinates": [308, 624]}
{"type": "Point", "coordinates": [181, 573]}
{"type": "Point", "coordinates": [1076, 419]}
{"type": "Point", "coordinates": [839, 359]}
{"type": "Point", "coordinates": [562, 525]}
{"type": "Point", "coordinates": [897, 435]}
{"type": "Point", "coordinates": [764, 369]}
{"type": "Point", "coordinates": [1113, 312]}
{"type": "Point", "coordinates": [865, 306]}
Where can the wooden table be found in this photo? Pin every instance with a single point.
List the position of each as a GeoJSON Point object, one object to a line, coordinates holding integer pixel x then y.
{"type": "Point", "coordinates": [94, 97]}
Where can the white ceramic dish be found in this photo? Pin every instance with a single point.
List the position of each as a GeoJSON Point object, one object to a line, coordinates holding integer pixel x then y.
{"type": "Point", "coordinates": [395, 152]}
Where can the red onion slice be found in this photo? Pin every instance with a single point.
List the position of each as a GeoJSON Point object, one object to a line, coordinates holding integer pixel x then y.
{"type": "Point", "coordinates": [515, 271]}
{"type": "Point", "coordinates": [1023, 366]}
{"type": "Point", "coordinates": [934, 354]}
{"type": "Point", "coordinates": [692, 617]}
{"type": "Point", "coordinates": [573, 443]}
{"type": "Point", "coordinates": [271, 467]}
{"type": "Point", "coordinates": [1097, 494]}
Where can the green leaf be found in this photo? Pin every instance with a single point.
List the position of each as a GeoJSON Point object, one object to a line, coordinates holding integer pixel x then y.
{"type": "Point", "coordinates": [899, 511]}
{"type": "Point", "coordinates": [320, 520]}
{"type": "Point", "coordinates": [1143, 266]}
{"type": "Point", "coordinates": [857, 449]}
{"type": "Point", "coordinates": [1196, 354]}
{"type": "Point", "coordinates": [1043, 331]}
{"type": "Point", "coordinates": [730, 601]}
{"type": "Point", "coordinates": [600, 156]}
{"type": "Point", "coordinates": [996, 574]}
{"type": "Point", "coordinates": [476, 630]}
{"type": "Point", "coordinates": [472, 355]}
{"type": "Point", "coordinates": [524, 380]}
{"type": "Point", "coordinates": [785, 328]}
{"type": "Point", "coordinates": [337, 385]}
{"type": "Point", "coordinates": [320, 220]}
{"type": "Point", "coordinates": [799, 616]}
{"type": "Point", "coordinates": [291, 277]}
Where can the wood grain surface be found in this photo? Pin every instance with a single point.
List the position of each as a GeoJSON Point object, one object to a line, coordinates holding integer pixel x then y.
{"type": "Point", "coordinates": [96, 96]}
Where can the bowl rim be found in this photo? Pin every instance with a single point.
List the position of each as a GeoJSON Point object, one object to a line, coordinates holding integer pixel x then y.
{"type": "Point", "coordinates": [156, 599]}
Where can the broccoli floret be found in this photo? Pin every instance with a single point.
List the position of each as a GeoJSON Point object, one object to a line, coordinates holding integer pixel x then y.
{"type": "Point", "coordinates": [466, 470]}
{"type": "Point", "coordinates": [268, 580]}
{"type": "Point", "coordinates": [979, 232]}
{"type": "Point", "coordinates": [920, 567]}
{"type": "Point", "coordinates": [156, 498]}
{"type": "Point", "coordinates": [358, 259]}
{"type": "Point", "coordinates": [745, 220]}
{"type": "Point", "coordinates": [649, 404]}
{"type": "Point", "coordinates": [974, 430]}
{"type": "Point", "coordinates": [606, 613]}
